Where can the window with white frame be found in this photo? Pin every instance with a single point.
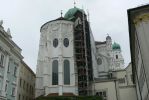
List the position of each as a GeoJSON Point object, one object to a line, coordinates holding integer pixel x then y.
{"type": "Point", "coordinates": [8, 70]}
{"type": "Point", "coordinates": [55, 72]}
{"type": "Point", "coordinates": [2, 60]}
{"type": "Point", "coordinates": [121, 80]}
{"type": "Point", "coordinates": [6, 86]}
{"type": "Point", "coordinates": [0, 84]}
{"type": "Point", "coordinates": [103, 94]}
{"type": "Point", "coordinates": [66, 72]}
{"type": "Point", "coordinates": [15, 71]}
{"type": "Point", "coordinates": [13, 91]}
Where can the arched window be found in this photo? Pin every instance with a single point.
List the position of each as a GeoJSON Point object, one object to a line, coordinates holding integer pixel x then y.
{"type": "Point", "coordinates": [99, 61]}
{"type": "Point", "coordinates": [66, 42]}
{"type": "Point", "coordinates": [66, 72]}
{"type": "Point", "coordinates": [116, 56]}
{"type": "Point", "coordinates": [55, 42]}
{"type": "Point", "coordinates": [55, 72]}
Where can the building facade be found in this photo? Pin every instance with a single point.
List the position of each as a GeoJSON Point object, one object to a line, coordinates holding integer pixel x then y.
{"type": "Point", "coordinates": [13, 69]}
{"type": "Point", "coordinates": [70, 62]}
{"type": "Point", "coordinates": [26, 84]}
{"type": "Point", "coordinates": [64, 65]}
{"type": "Point", "coordinates": [138, 19]}
{"type": "Point", "coordinates": [10, 58]}
{"type": "Point", "coordinates": [119, 86]}
{"type": "Point", "coordinates": [109, 57]}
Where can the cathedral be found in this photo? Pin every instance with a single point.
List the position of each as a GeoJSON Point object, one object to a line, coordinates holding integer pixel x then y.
{"type": "Point", "coordinates": [70, 62]}
{"type": "Point", "coordinates": [109, 57]}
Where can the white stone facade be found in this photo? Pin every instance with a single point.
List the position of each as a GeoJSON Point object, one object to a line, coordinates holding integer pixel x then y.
{"type": "Point", "coordinates": [59, 29]}
{"type": "Point", "coordinates": [108, 59]}
{"type": "Point", "coordinates": [10, 60]}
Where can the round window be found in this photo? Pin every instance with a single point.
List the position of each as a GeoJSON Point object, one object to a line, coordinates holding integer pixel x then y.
{"type": "Point", "coordinates": [99, 61]}
{"type": "Point", "coordinates": [66, 42]}
{"type": "Point", "coordinates": [55, 43]}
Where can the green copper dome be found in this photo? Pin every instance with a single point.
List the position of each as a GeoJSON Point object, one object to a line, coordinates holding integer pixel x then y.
{"type": "Point", "coordinates": [71, 12]}
{"type": "Point", "coordinates": [116, 46]}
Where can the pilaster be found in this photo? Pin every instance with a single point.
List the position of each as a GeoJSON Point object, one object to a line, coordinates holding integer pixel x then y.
{"type": "Point", "coordinates": [5, 75]}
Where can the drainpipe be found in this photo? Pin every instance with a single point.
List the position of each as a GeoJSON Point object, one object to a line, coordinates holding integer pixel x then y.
{"type": "Point", "coordinates": [116, 90]}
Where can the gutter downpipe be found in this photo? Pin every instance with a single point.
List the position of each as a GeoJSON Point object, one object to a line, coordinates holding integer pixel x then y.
{"type": "Point", "coordinates": [116, 90]}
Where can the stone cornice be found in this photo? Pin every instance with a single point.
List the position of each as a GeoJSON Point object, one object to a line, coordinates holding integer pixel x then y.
{"type": "Point", "coordinates": [142, 17]}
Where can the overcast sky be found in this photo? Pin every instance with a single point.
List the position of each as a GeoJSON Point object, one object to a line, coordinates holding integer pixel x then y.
{"type": "Point", "coordinates": [25, 17]}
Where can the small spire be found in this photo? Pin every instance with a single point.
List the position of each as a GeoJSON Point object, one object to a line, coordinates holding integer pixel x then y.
{"type": "Point", "coordinates": [74, 3]}
{"type": "Point", "coordinates": [61, 13]}
{"type": "Point", "coordinates": [1, 22]}
{"type": "Point", "coordinates": [9, 33]}
{"type": "Point", "coordinates": [8, 30]}
{"type": "Point", "coordinates": [107, 34]}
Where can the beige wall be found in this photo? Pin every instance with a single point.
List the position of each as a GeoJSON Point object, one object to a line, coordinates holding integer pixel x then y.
{"type": "Point", "coordinates": [129, 74]}
{"type": "Point", "coordinates": [128, 93]}
{"type": "Point", "coordinates": [108, 86]}
{"type": "Point", "coordinates": [118, 89]}
{"type": "Point", "coordinates": [26, 85]}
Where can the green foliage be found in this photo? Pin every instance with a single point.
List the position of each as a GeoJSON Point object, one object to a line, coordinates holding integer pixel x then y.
{"type": "Point", "coordinates": [70, 98]}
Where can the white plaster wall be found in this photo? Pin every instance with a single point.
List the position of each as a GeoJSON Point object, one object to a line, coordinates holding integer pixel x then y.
{"type": "Point", "coordinates": [128, 93]}
{"type": "Point", "coordinates": [94, 55]}
{"type": "Point", "coordinates": [129, 74]}
{"type": "Point", "coordinates": [142, 29]}
{"type": "Point", "coordinates": [59, 29]}
{"type": "Point", "coordinates": [109, 86]}
{"type": "Point", "coordinates": [118, 63]}
{"type": "Point", "coordinates": [144, 91]}
{"type": "Point", "coordinates": [121, 74]}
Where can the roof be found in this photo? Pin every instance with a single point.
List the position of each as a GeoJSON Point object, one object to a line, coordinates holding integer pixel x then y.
{"type": "Point", "coordinates": [108, 38]}
{"type": "Point", "coordinates": [71, 12]}
{"type": "Point", "coordinates": [60, 18]}
{"type": "Point", "coordinates": [29, 69]}
{"type": "Point", "coordinates": [99, 43]}
{"type": "Point", "coordinates": [116, 46]}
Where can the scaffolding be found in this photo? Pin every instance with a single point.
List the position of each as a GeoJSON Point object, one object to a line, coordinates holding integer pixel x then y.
{"type": "Point", "coordinates": [83, 57]}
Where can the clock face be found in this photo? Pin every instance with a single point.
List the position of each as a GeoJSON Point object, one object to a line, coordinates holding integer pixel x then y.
{"type": "Point", "coordinates": [55, 42]}
{"type": "Point", "coordinates": [66, 42]}
{"type": "Point", "coordinates": [99, 61]}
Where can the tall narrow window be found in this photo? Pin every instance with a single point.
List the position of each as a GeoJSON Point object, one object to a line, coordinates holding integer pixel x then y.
{"type": "Point", "coordinates": [116, 56]}
{"type": "Point", "coordinates": [66, 72]}
{"type": "Point", "coordinates": [19, 96]}
{"type": "Point", "coordinates": [0, 84]}
{"type": "Point", "coordinates": [15, 71]}
{"type": "Point", "coordinates": [6, 87]}
{"type": "Point", "coordinates": [55, 72]}
{"type": "Point", "coordinates": [20, 82]}
{"type": "Point", "coordinates": [8, 67]}
{"type": "Point", "coordinates": [2, 59]}
{"type": "Point", "coordinates": [13, 91]}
